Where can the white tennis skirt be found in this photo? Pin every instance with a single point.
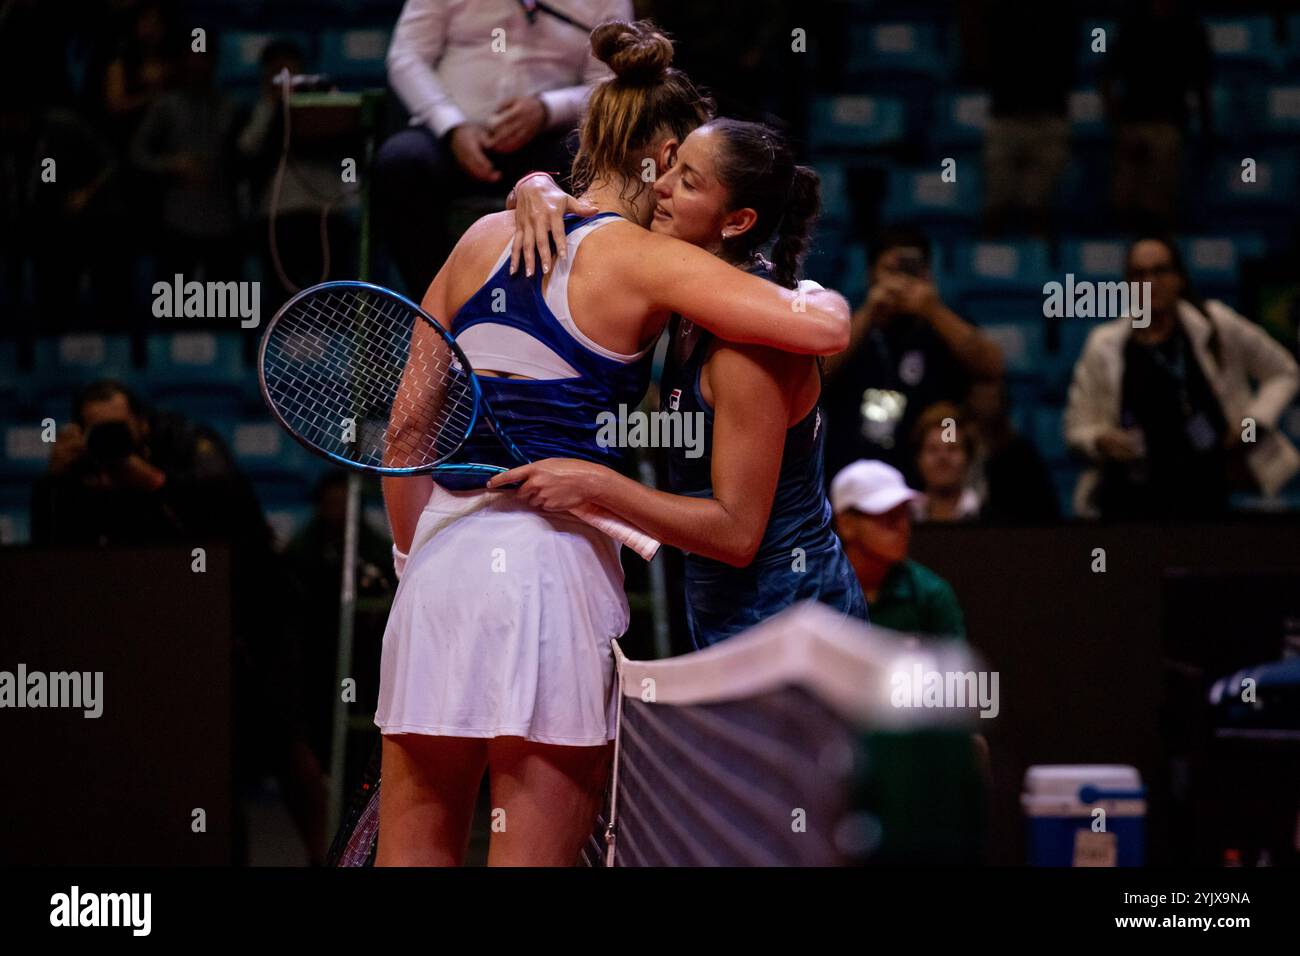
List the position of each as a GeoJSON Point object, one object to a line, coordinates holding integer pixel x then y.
{"type": "Point", "coordinates": [502, 625]}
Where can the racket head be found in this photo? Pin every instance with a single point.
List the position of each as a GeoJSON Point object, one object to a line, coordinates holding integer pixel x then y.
{"type": "Point", "coordinates": [349, 351]}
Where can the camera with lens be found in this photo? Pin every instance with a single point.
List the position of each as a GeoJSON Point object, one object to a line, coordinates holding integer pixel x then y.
{"type": "Point", "coordinates": [109, 443]}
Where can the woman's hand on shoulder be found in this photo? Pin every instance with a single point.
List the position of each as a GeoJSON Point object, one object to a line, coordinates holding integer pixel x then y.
{"type": "Point", "coordinates": [539, 206]}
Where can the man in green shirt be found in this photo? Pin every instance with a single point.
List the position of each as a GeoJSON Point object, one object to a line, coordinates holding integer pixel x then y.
{"type": "Point", "coordinates": [872, 516]}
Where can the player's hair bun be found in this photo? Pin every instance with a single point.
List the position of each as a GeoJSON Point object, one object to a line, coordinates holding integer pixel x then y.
{"type": "Point", "coordinates": [636, 52]}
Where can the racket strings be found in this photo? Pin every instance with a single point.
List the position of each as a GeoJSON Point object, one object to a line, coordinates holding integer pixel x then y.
{"type": "Point", "coordinates": [366, 379]}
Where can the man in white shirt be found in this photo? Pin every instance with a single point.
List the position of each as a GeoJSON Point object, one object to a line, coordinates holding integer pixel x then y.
{"type": "Point", "coordinates": [493, 88]}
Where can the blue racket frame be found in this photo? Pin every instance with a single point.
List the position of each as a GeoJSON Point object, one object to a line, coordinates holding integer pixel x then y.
{"type": "Point", "coordinates": [480, 403]}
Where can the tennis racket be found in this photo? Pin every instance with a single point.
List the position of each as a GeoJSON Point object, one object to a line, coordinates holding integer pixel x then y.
{"type": "Point", "coordinates": [369, 380]}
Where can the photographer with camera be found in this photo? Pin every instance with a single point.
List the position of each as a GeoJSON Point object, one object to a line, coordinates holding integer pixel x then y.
{"type": "Point", "coordinates": [907, 351]}
{"type": "Point", "coordinates": [121, 472]}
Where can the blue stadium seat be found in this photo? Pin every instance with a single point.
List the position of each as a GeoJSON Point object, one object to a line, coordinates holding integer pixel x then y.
{"type": "Point", "coordinates": [15, 513]}
{"type": "Point", "coordinates": [1244, 43]}
{"type": "Point", "coordinates": [1099, 260]}
{"type": "Point", "coordinates": [856, 121]}
{"type": "Point", "coordinates": [25, 454]}
{"type": "Point", "coordinates": [997, 268]}
{"type": "Point", "coordinates": [201, 373]}
{"type": "Point", "coordinates": [1065, 477]}
{"type": "Point", "coordinates": [1021, 342]}
{"type": "Point", "coordinates": [1214, 262]}
{"type": "Point", "coordinates": [1281, 111]}
{"type": "Point", "coordinates": [1048, 435]}
{"type": "Point", "coordinates": [836, 208]}
{"type": "Point", "coordinates": [921, 195]}
{"type": "Point", "coordinates": [960, 119]}
{"type": "Point", "coordinates": [1071, 336]}
{"type": "Point", "coordinates": [241, 50]}
{"type": "Point", "coordinates": [899, 48]}
{"type": "Point", "coordinates": [354, 55]}
{"type": "Point", "coordinates": [65, 363]}
{"type": "Point", "coordinates": [852, 279]}
{"type": "Point", "coordinates": [1087, 112]}
{"type": "Point", "coordinates": [1268, 200]}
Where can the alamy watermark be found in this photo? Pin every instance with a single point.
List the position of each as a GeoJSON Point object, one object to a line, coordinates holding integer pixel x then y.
{"type": "Point", "coordinates": [1084, 299]}
{"type": "Point", "coordinates": [919, 686]}
{"type": "Point", "coordinates": [637, 429]}
{"type": "Point", "coordinates": [78, 690]}
{"type": "Point", "coordinates": [75, 908]}
{"type": "Point", "coordinates": [208, 300]}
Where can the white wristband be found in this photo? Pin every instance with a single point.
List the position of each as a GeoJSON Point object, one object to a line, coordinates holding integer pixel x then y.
{"type": "Point", "coordinates": [809, 285]}
{"type": "Point", "coordinates": [399, 562]}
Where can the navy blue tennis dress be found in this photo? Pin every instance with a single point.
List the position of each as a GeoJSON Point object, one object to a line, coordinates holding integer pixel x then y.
{"type": "Point", "coordinates": [504, 614]}
{"type": "Point", "coordinates": [800, 557]}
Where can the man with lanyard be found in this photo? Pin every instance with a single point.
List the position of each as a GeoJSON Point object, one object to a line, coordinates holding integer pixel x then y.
{"type": "Point", "coordinates": [493, 88]}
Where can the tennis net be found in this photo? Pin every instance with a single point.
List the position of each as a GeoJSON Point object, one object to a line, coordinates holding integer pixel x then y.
{"type": "Point", "coordinates": [800, 742]}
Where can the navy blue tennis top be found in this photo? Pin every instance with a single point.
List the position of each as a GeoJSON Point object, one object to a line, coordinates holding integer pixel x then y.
{"type": "Point", "coordinates": [546, 418]}
{"type": "Point", "coordinates": [799, 558]}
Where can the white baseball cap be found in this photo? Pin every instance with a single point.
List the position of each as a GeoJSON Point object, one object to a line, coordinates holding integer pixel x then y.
{"type": "Point", "coordinates": [871, 487]}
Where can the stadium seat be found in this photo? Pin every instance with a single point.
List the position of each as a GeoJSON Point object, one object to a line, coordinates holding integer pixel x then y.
{"type": "Point", "coordinates": [1214, 262]}
{"type": "Point", "coordinates": [960, 119]}
{"type": "Point", "coordinates": [856, 121]}
{"type": "Point", "coordinates": [1021, 342]}
{"type": "Point", "coordinates": [920, 195]}
{"type": "Point", "coordinates": [1281, 114]}
{"type": "Point", "coordinates": [25, 454]}
{"type": "Point", "coordinates": [66, 363]}
{"type": "Point", "coordinates": [241, 50]}
{"type": "Point", "coordinates": [1087, 113]}
{"type": "Point", "coordinates": [354, 55]}
{"type": "Point", "coordinates": [1099, 260]}
{"type": "Point", "coordinates": [199, 373]}
{"type": "Point", "coordinates": [836, 207]}
{"type": "Point", "coordinates": [1244, 44]}
{"type": "Point", "coordinates": [899, 48]}
{"type": "Point", "coordinates": [1012, 267]}
{"type": "Point", "coordinates": [15, 514]}
{"type": "Point", "coordinates": [1048, 435]}
{"type": "Point", "coordinates": [1267, 201]}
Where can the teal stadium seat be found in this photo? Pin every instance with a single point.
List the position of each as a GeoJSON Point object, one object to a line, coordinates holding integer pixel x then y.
{"type": "Point", "coordinates": [1244, 44]}
{"type": "Point", "coordinates": [200, 373]}
{"type": "Point", "coordinates": [856, 121]}
{"type": "Point", "coordinates": [66, 363]}
{"type": "Point", "coordinates": [901, 48]}
{"type": "Point", "coordinates": [354, 56]}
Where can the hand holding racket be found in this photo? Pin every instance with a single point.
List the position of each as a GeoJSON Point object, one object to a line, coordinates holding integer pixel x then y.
{"type": "Point", "coordinates": [369, 380]}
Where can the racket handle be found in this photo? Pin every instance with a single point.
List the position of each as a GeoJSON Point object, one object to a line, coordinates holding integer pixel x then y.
{"type": "Point", "coordinates": [618, 529]}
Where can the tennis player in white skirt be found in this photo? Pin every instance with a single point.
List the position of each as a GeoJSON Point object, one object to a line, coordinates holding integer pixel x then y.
{"type": "Point", "coordinates": [497, 656]}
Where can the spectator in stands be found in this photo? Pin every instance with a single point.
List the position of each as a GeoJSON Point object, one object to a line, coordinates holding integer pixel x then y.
{"type": "Point", "coordinates": [311, 187]}
{"type": "Point", "coordinates": [1028, 66]}
{"type": "Point", "coordinates": [493, 90]}
{"type": "Point", "coordinates": [1168, 413]}
{"type": "Point", "coordinates": [871, 504]}
{"type": "Point", "coordinates": [944, 444]}
{"type": "Point", "coordinates": [1008, 473]}
{"type": "Point", "coordinates": [739, 50]}
{"type": "Point", "coordinates": [121, 471]}
{"type": "Point", "coordinates": [141, 69]}
{"type": "Point", "coordinates": [185, 143]}
{"type": "Point", "coordinates": [59, 205]}
{"type": "Point", "coordinates": [907, 350]}
{"type": "Point", "coordinates": [1160, 55]}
